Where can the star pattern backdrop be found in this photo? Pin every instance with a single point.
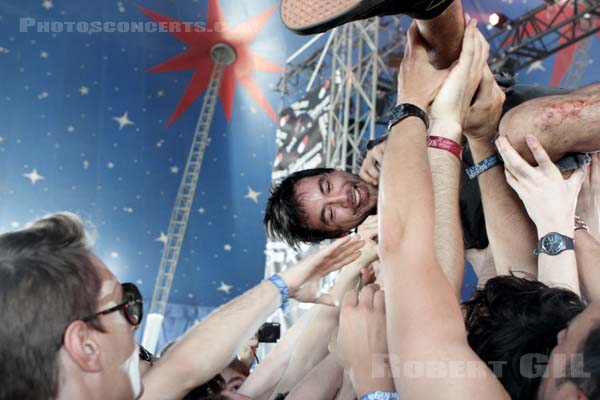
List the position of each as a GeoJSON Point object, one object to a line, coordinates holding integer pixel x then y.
{"type": "Point", "coordinates": [101, 123]}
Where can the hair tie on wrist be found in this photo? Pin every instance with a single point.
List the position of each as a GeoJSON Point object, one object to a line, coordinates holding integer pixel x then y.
{"type": "Point", "coordinates": [442, 143]}
{"type": "Point", "coordinates": [283, 290]}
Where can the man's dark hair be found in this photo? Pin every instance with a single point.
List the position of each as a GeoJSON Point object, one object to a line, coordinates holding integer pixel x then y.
{"type": "Point", "coordinates": [590, 349]}
{"type": "Point", "coordinates": [284, 218]}
{"type": "Point", "coordinates": [511, 317]}
{"type": "Point", "coordinates": [47, 280]}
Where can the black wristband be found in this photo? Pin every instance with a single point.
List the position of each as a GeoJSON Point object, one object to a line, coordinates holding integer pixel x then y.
{"type": "Point", "coordinates": [406, 110]}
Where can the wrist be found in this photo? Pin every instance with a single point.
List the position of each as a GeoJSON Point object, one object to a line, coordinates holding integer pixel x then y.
{"type": "Point", "coordinates": [446, 128]}
{"type": "Point", "coordinates": [364, 382]}
{"type": "Point", "coordinates": [415, 100]}
{"type": "Point", "coordinates": [564, 228]}
{"type": "Point", "coordinates": [481, 149]}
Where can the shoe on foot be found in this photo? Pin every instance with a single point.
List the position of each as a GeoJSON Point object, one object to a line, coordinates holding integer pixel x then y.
{"type": "Point", "coordinates": [306, 17]}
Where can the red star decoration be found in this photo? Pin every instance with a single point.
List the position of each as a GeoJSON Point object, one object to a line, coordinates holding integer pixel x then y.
{"type": "Point", "coordinates": [197, 57]}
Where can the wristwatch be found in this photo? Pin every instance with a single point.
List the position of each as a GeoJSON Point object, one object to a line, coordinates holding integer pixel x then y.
{"type": "Point", "coordinates": [406, 110]}
{"type": "Point", "coordinates": [554, 243]}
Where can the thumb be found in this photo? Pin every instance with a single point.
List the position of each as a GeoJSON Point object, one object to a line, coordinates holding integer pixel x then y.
{"type": "Point", "coordinates": [577, 177]}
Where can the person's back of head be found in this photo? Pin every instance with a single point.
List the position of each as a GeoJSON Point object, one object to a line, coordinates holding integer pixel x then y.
{"type": "Point", "coordinates": [511, 321]}
{"type": "Point", "coordinates": [589, 380]}
{"type": "Point", "coordinates": [47, 280]}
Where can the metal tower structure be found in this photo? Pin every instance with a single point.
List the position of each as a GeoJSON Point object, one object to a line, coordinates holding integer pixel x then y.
{"type": "Point", "coordinates": [542, 32]}
{"type": "Point", "coordinates": [582, 56]}
{"type": "Point", "coordinates": [221, 55]}
{"type": "Point", "coordinates": [359, 59]}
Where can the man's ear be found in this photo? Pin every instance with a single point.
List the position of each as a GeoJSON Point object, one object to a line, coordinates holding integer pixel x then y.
{"type": "Point", "coordinates": [81, 346]}
{"type": "Point", "coordinates": [570, 391]}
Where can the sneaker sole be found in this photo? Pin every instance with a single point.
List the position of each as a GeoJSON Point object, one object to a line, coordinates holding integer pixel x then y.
{"type": "Point", "coordinates": [307, 17]}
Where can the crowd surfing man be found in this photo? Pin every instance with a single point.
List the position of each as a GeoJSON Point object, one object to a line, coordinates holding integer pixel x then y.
{"type": "Point", "coordinates": [318, 204]}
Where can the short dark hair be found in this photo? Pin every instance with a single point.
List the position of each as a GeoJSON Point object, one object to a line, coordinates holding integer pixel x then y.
{"type": "Point", "coordinates": [238, 366]}
{"type": "Point", "coordinates": [285, 218]}
{"type": "Point", "coordinates": [590, 349]}
{"type": "Point", "coordinates": [47, 280]}
{"type": "Point", "coordinates": [511, 317]}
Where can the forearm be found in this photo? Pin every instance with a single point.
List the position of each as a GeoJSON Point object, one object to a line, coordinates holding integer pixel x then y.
{"type": "Point", "coordinates": [563, 123]}
{"type": "Point", "coordinates": [346, 390]}
{"type": "Point", "coordinates": [321, 383]}
{"type": "Point", "coordinates": [312, 346]}
{"type": "Point", "coordinates": [511, 233]}
{"type": "Point", "coordinates": [448, 239]}
{"type": "Point", "coordinates": [587, 252]}
{"type": "Point", "coordinates": [444, 35]}
{"type": "Point", "coordinates": [217, 338]}
{"type": "Point", "coordinates": [268, 373]}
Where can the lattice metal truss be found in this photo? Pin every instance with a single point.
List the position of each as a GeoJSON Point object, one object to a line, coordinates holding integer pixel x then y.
{"type": "Point", "coordinates": [360, 60]}
{"type": "Point", "coordinates": [221, 55]}
{"type": "Point", "coordinates": [531, 37]}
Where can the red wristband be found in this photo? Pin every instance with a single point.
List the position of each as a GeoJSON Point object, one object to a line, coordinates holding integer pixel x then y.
{"type": "Point", "coordinates": [438, 142]}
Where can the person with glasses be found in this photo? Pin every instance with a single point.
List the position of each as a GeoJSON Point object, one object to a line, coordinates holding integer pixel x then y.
{"type": "Point", "coordinates": [67, 324]}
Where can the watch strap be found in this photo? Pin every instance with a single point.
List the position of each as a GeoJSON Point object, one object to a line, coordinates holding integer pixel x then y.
{"type": "Point", "coordinates": [406, 110]}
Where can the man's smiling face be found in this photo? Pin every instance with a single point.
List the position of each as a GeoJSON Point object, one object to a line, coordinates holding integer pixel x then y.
{"type": "Point", "coordinates": [335, 201]}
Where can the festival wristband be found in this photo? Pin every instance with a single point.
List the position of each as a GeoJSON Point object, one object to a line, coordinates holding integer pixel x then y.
{"type": "Point", "coordinates": [380, 396]}
{"type": "Point", "coordinates": [283, 290]}
{"type": "Point", "coordinates": [482, 166]}
{"type": "Point", "coordinates": [442, 143]}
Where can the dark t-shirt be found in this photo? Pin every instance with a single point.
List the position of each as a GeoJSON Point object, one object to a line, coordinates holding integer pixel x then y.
{"type": "Point", "coordinates": [471, 209]}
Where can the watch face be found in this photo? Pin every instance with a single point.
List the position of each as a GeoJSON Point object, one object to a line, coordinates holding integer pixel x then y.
{"type": "Point", "coordinates": [552, 243]}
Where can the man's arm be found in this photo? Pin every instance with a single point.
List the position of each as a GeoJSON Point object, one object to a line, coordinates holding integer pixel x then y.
{"type": "Point", "coordinates": [445, 176]}
{"type": "Point", "coordinates": [424, 320]}
{"type": "Point", "coordinates": [219, 337]}
{"type": "Point", "coordinates": [312, 346]}
{"type": "Point", "coordinates": [510, 231]}
{"type": "Point", "coordinates": [563, 123]}
{"type": "Point", "coordinates": [587, 251]}
{"type": "Point", "coordinates": [321, 383]}
{"type": "Point", "coordinates": [550, 202]}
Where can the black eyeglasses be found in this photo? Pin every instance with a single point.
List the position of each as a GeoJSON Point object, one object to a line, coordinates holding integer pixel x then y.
{"type": "Point", "coordinates": [131, 305]}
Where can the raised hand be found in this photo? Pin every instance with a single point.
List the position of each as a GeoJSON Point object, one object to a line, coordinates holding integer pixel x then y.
{"type": "Point", "coordinates": [548, 198]}
{"type": "Point", "coordinates": [484, 114]}
{"type": "Point", "coordinates": [303, 279]}
{"type": "Point", "coordinates": [371, 166]}
{"type": "Point", "coordinates": [361, 344]}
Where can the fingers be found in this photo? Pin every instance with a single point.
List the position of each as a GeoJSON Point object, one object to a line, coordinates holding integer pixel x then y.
{"type": "Point", "coordinates": [350, 299]}
{"type": "Point", "coordinates": [540, 155]}
{"type": "Point", "coordinates": [513, 162]}
{"type": "Point", "coordinates": [577, 177]}
{"type": "Point", "coordinates": [365, 176]}
{"type": "Point", "coordinates": [379, 300]}
{"type": "Point", "coordinates": [365, 298]}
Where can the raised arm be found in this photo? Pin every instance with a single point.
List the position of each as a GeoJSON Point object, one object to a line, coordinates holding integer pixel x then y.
{"type": "Point", "coordinates": [220, 336]}
{"type": "Point", "coordinates": [510, 231]}
{"type": "Point", "coordinates": [424, 320]}
{"type": "Point", "coordinates": [550, 202]}
{"type": "Point", "coordinates": [312, 346]}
